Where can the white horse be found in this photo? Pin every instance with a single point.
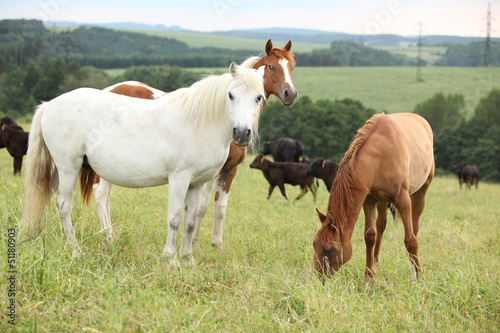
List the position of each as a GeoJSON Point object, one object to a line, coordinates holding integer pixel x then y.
{"type": "Point", "coordinates": [181, 139]}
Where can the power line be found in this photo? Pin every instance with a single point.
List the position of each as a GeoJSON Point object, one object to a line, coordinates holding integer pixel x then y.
{"type": "Point", "coordinates": [487, 50]}
{"type": "Point", "coordinates": [419, 56]}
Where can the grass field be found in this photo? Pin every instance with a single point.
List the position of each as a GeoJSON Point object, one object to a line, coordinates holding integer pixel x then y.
{"type": "Point", "coordinates": [261, 281]}
{"type": "Point", "coordinates": [395, 89]}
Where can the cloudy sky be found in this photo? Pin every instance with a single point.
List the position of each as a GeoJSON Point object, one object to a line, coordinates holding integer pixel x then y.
{"type": "Point", "coordinates": [402, 17]}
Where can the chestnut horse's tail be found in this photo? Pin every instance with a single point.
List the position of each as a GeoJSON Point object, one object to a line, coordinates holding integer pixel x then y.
{"type": "Point", "coordinates": [88, 178]}
{"type": "Point", "coordinates": [38, 175]}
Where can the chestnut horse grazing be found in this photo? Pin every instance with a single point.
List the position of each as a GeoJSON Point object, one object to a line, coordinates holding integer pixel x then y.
{"type": "Point", "coordinates": [278, 64]}
{"type": "Point", "coordinates": [181, 139]}
{"type": "Point", "coordinates": [391, 159]}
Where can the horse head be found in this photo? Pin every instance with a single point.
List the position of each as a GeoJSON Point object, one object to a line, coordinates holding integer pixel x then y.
{"type": "Point", "coordinates": [245, 99]}
{"type": "Point", "coordinates": [329, 250]}
{"type": "Point", "coordinates": [279, 63]}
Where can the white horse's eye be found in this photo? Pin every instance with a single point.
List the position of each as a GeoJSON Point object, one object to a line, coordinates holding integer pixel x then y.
{"type": "Point", "coordinates": [259, 98]}
{"type": "Point", "coordinates": [231, 97]}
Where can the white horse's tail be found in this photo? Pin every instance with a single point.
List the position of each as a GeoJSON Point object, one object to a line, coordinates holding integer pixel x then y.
{"type": "Point", "coordinates": [38, 175]}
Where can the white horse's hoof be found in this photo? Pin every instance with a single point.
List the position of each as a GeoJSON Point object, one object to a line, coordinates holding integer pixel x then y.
{"type": "Point", "coordinates": [217, 245]}
{"type": "Point", "coordinates": [189, 260]}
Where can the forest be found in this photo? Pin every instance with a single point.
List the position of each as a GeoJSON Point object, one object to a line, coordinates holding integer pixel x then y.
{"type": "Point", "coordinates": [34, 67]}
{"type": "Point", "coordinates": [22, 41]}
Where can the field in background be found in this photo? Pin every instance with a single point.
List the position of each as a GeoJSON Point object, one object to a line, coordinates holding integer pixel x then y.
{"type": "Point", "coordinates": [430, 54]}
{"type": "Point", "coordinates": [194, 39]}
{"type": "Point", "coordinates": [395, 89]}
{"type": "Point", "coordinates": [261, 280]}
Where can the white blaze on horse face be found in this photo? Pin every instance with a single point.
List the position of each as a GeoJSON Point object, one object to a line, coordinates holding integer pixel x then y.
{"type": "Point", "coordinates": [288, 79]}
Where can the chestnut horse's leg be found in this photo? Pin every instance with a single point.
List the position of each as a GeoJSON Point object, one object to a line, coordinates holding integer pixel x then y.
{"type": "Point", "coordinates": [370, 234]}
{"type": "Point", "coordinates": [381, 223]}
{"type": "Point", "coordinates": [102, 192]}
{"type": "Point", "coordinates": [418, 204]}
{"type": "Point", "coordinates": [221, 196]}
{"type": "Point", "coordinates": [404, 204]}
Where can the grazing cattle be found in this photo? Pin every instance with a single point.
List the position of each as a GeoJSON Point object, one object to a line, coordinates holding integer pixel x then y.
{"type": "Point", "coordinates": [468, 174]}
{"type": "Point", "coordinates": [284, 150]}
{"type": "Point", "coordinates": [324, 170]}
{"type": "Point", "coordinates": [7, 121]}
{"type": "Point", "coordinates": [16, 142]}
{"type": "Point", "coordinates": [281, 173]}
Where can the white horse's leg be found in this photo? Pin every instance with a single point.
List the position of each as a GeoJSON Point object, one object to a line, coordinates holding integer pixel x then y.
{"type": "Point", "coordinates": [176, 193]}
{"type": "Point", "coordinates": [220, 206]}
{"type": "Point", "coordinates": [67, 181]}
{"type": "Point", "coordinates": [202, 208]}
{"type": "Point", "coordinates": [102, 192]}
{"type": "Point", "coordinates": [191, 206]}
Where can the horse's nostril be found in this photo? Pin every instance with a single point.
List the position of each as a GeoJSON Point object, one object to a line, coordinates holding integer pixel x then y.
{"type": "Point", "coordinates": [249, 132]}
{"type": "Point", "coordinates": [287, 94]}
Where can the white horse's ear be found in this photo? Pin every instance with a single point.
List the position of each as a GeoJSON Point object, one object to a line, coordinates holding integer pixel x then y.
{"type": "Point", "coordinates": [233, 69]}
{"type": "Point", "coordinates": [261, 70]}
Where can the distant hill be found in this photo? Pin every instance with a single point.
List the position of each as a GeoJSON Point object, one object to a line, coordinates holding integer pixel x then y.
{"type": "Point", "coordinates": [295, 34]}
{"type": "Point", "coordinates": [119, 25]}
{"type": "Point", "coordinates": [325, 37]}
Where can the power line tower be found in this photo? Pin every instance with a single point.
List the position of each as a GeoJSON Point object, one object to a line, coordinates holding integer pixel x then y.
{"type": "Point", "coordinates": [419, 56]}
{"type": "Point", "coordinates": [487, 50]}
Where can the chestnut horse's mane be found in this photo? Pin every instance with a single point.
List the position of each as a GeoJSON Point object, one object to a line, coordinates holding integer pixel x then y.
{"type": "Point", "coordinates": [347, 176]}
{"type": "Point", "coordinates": [282, 53]}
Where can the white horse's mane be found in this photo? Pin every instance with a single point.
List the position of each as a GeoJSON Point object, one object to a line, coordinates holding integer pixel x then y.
{"type": "Point", "coordinates": [203, 103]}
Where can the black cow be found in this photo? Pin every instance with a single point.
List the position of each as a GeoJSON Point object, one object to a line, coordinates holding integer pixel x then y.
{"type": "Point", "coordinates": [284, 150]}
{"type": "Point", "coordinates": [7, 121]}
{"type": "Point", "coordinates": [324, 170]}
{"type": "Point", "coordinates": [468, 174]}
{"type": "Point", "coordinates": [16, 142]}
{"type": "Point", "coordinates": [281, 173]}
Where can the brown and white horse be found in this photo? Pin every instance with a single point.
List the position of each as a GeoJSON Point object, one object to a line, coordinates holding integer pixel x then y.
{"type": "Point", "coordinates": [278, 63]}
{"type": "Point", "coordinates": [390, 160]}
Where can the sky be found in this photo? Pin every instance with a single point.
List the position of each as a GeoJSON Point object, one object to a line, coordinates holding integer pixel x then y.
{"type": "Point", "coordinates": [401, 17]}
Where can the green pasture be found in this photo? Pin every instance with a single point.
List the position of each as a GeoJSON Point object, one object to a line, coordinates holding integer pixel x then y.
{"type": "Point", "coordinates": [394, 89]}
{"type": "Point", "coordinates": [262, 280]}
{"type": "Point", "coordinates": [429, 54]}
{"type": "Point", "coordinates": [196, 39]}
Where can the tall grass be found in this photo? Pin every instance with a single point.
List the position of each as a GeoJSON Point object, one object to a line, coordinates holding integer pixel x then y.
{"type": "Point", "coordinates": [262, 280]}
